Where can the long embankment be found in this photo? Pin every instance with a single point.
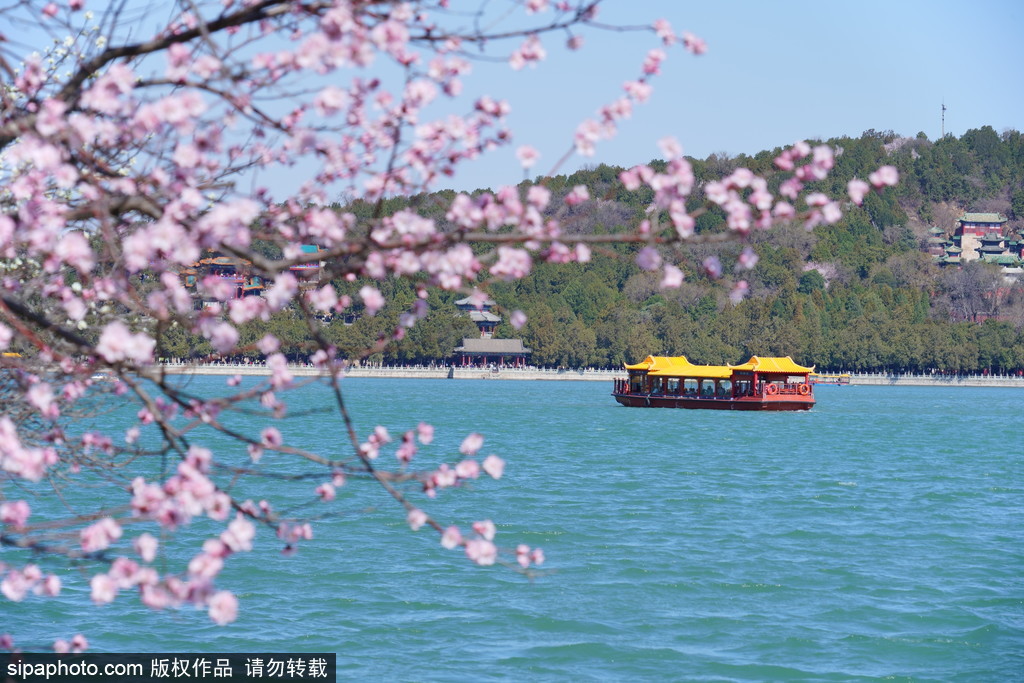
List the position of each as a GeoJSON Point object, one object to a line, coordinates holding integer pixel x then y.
{"type": "Point", "coordinates": [591, 375]}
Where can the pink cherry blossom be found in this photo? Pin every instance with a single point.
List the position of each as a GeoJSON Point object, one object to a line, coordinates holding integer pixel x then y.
{"type": "Point", "coordinates": [648, 258]}
{"type": "Point", "coordinates": [425, 433]}
{"type": "Point", "coordinates": [146, 546]}
{"type": "Point", "coordinates": [255, 452]}
{"type": "Point", "coordinates": [670, 147]}
{"type": "Point", "coordinates": [713, 267]}
{"type": "Point", "coordinates": [472, 444]}
{"type": "Point", "coordinates": [639, 91]}
{"type": "Point", "coordinates": [280, 376]}
{"type": "Point", "coordinates": [885, 176]}
{"type": "Point", "coordinates": [270, 437]}
{"type": "Point", "coordinates": [223, 337]}
{"type": "Point", "coordinates": [530, 52]}
{"type": "Point", "coordinates": [527, 156]}
{"type": "Point", "coordinates": [15, 586]}
{"type": "Point", "coordinates": [117, 344]}
{"type": "Point", "coordinates": [663, 29]}
{"type": "Point", "coordinates": [481, 551]}
{"type": "Point", "coordinates": [831, 213]}
{"type": "Point", "coordinates": [739, 291]}
{"type": "Point", "coordinates": [100, 535]}
{"type": "Point", "coordinates": [239, 535]}
{"type": "Point", "coordinates": [104, 589]}
{"type": "Point", "coordinates": [517, 319]}
{"type": "Point", "coordinates": [747, 260]}
{"type": "Point", "coordinates": [577, 195]}
{"type": "Point", "coordinates": [268, 344]}
{"type": "Point", "coordinates": [451, 538]}
{"type": "Point", "coordinates": [513, 263]}
{"type": "Point", "coordinates": [205, 566]}
{"type": "Point", "coordinates": [49, 586]}
{"type": "Point", "coordinates": [416, 519]}
{"type": "Point", "coordinates": [78, 641]}
{"type": "Point", "coordinates": [485, 528]}
{"type": "Point", "coordinates": [494, 466]}
{"type": "Point", "coordinates": [652, 64]}
{"type": "Point", "coordinates": [467, 469]}
{"type": "Point", "coordinates": [326, 492]}
{"type": "Point", "coordinates": [372, 299]}
{"type": "Point", "coordinates": [857, 189]}
{"type": "Point", "coordinates": [15, 513]}
{"type": "Point", "coordinates": [694, 44]}
{"type": "Point", "coordinates": [323, 299]}
{"type": "Point", "coordinates": [538, 196]}
{"type": "Point", "coordinates": [223, 608]}
{"type": "Point", "coordinates": [672, 278]}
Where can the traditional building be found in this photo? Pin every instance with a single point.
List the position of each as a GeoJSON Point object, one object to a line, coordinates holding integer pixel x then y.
{"type": "Point", "coordinates": [951, 255]}
{"type": "Point", "coordinates": [479, 311]}
{"type": "Point", "coordinates": [309, 274]}
{"type": "Point", "coordinates": [972, 227]}
{"type": "Point", "coordinates": [487, 351]}
{"type": "Point", "coordinates": [937, 241]}
{"type": "Point", "coordinates": [979, 224]}
{"type": "Point", "coordinates": [979, 237]}
{"type": "Point", "coordinates": [237, 272]}
{"type": "Point", "coordinates": [499, 353]}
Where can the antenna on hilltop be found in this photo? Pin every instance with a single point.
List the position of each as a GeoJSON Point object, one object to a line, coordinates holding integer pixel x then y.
{"type": "Point", "coordinates": [943, 118]}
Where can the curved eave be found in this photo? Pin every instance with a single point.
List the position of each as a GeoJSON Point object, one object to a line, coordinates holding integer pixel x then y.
{"type": "Point", "coordinates": [784, 365]}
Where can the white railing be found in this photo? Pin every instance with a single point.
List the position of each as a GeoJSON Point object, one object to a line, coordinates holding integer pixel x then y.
{"type": "Point", "coordinates": [594, 374]}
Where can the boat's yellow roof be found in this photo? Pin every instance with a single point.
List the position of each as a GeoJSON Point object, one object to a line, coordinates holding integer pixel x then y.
{"type": "Point", "coordinates": [679, 366]}
{"type": "Point", "coordinates": [786, 365]}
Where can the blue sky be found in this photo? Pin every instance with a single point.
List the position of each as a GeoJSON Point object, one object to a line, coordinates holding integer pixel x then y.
{"type": "Point", "coordinates": [775, 72]}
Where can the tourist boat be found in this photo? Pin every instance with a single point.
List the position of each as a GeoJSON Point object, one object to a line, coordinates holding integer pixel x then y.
{"type": "Point", "coordinates": [675, 382]}
{"type": "Point", "coordinates": [830, 379]}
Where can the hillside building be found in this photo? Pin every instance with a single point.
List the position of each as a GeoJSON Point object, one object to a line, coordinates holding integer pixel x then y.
{"type": "Point", "coordinates": [973, 228]}
{"type": "Point", "coordinates": [979, 237]}
{"type": "Point", "coordinates": [238, 274]}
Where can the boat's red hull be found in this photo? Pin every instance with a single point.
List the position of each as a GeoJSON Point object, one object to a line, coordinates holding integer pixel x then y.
{"type": "Point", "coordinates": [777, 402]}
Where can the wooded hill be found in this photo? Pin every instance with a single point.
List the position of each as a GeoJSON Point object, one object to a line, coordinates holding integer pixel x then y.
{"type": "Point", "coordinates": [861, 294]}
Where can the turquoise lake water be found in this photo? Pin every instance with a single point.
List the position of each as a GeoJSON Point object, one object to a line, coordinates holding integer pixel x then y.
{"type": "Point", "coordinates": [878, 536]}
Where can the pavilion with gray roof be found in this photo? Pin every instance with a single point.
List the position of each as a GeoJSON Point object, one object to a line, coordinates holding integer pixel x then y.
{"type": "Point", "coordinates": [488, 352]}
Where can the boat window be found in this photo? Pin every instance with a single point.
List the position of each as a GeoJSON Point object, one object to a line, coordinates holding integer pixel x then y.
{"type": "Point", "coordinates": [673, 386]}
{"type": "Point", "coordinates": [690, 387]}
{"type": "Point", "coordinates": [725, 388]}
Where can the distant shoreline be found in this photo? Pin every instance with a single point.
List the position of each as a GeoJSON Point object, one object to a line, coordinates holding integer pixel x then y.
{"type": "Point", "coordinates": [578, 375]}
